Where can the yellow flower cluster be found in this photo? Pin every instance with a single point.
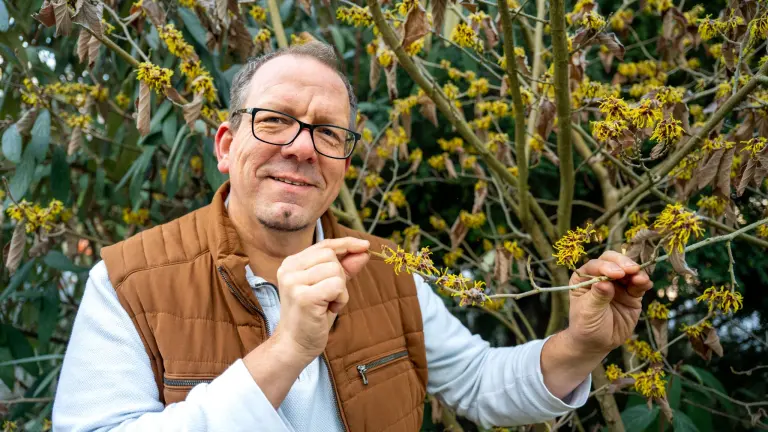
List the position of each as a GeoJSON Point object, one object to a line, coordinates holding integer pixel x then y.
{"type": "Point", "coordinates": [570, 248]}
{"type": "Point", "coordinates": [405, 6]}
{"type": "Point", "coordinates": [472, 220]}
{"type": "Point", "coordinates": [643, 350]}
{"type": "Point", "coordinates": [156, 77]}
{"type": "Point", "coordinates": [619, 20]}
{"type": "Point", "coordinates": [468, 163]}
{"type": "Point", "coordinates": [646, 68]}
{"type": "Point", "coordinates": [482, 123]}
{"type": "Point", "coordinates": [263, 36]}
{"type": "Point", "coordinates": [608, 129]}
{"type": "Point", "coordinates": [451, 257]}
{"type": "Point", "coordinates": [645, 114]}
{"type": "Point", "coordinates": [478, 87]}
{"type": "Point", "coordinates": [677, 224]}
{"type": "Point", "coordinates": [495, 140]}
{"type": "Point", "coordinates": [259, 14]}
{"type": "Point", "coordinates": [453, 145]}
{"type": "Point", "coordinates": [593, 21]}
{"type": "Point", "coordinates": [614, 108]}
{"type": "Point", "coordinates": [175, 41]}
{"type": "Point", "coordinates": [613, 372]}
{"type": "Point", "coordinates": [437, 223]}
{"type": "Point", "coordinates": [723, 299]}
{"type": "Point", "coordinates": [709, 28]}
{"type": "Point", "coordinates": [762, 231]}
{"type": "Point", "coordinates": [78, 120]}
{"type": "Point", "coordinates": [685, 168]}
{"type": "Point", "coordinates": [755, 147]}
{"type": "Point", "coordinates": [403, 106]}
{"type": "Point", "coordinates": [657, 310]}
{"type": "Point", "coordinates": [651, 383]}
{"type": "Point", "coordinates": [714, 205]}
{"type": "Point", "coordinates": [138, 217]}
{"type": "Point", "coordinates": [451, 91]}
{"type": "Point", "coordinates": [590, 90]}
{"type": "Point", "coordinates": [498, 108]}
{"type": "Point", "coordinates": [466, 37]}
{"type": "Point", "coordinates": [396, 197]}
{"type": "Point", "coordinates": [696, 331]}
{"type": "Point", "coordinates": [373, 180]}
{"type": "Point", "coordinates": [216, 114]}
{"type": "Point", "coordinates": [122, 100]}
{"type": "Point", "coordinates": [36, 217]}
{"type": "Point", "coordinates": [638, 218]}
{"type": "Point", "coordinates": [355, 15]}
{"type": "Point", "coordinates": [416, 156]}
{"type": "Point", "coordinates": [300, 39]}
{"type": "Point", "coordinates": [412, 231]}
{"type": "Point", "coordinates": [352, 173]}
{"type": "Point", "coordinates": [188, 3]}
{"type": "Point", "coordinates": [437, 161]}
{"type": "Point", "coordinates": [415, 47]}
{"type": "Point", "coordinates": [668, 131]}
{"type": "Point", "coordinates": [516, 251]}
{"type": "Point", "coordinates": [669, 95]}
{"type": "Point", "coordinates": [419, 262]}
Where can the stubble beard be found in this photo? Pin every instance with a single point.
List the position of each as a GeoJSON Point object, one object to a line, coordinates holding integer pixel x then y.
{"type": "Point", "coordinates": [282, 223]}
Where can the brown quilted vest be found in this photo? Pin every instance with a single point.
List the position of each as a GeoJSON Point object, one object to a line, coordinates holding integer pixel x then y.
{"type": "Point", "coordinates": [183, 284]}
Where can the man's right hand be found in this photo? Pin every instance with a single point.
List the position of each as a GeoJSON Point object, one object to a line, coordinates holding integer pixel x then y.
{"type": "Point", "coordinates": [313, 290]}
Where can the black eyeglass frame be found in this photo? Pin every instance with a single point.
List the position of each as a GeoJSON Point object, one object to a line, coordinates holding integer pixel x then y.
{"type": "Point", "coordinates": [302, 125]}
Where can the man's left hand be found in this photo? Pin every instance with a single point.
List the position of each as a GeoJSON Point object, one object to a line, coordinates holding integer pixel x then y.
{"type": "Point", "coordinates": [603, 315]}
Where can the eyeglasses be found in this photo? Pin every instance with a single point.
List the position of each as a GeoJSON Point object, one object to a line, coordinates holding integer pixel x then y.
{"type": "Point", "coordinates": [277, 128]}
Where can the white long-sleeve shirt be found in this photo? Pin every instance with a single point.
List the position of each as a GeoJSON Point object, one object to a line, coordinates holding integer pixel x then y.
{"type": "Point", "coordinates": [106, 381]}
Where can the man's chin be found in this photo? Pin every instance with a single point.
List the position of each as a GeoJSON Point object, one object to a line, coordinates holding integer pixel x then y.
{"type": "Point", "coordinates": [285, 218]}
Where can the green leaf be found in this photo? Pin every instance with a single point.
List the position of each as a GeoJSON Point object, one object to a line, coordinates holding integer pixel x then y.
{"type": "Point", "coordinates": [43, 357]}
{"type": "Point", "coordinates": [49, 317]}
{"type": "Point", "coordinates": [20, 347]}
{"type": "Point", "coordinates": [193, 25]}
{"type": "Point", "coordinates": [41, 134]}
{"type": "Point", "coordinates": [707, 379]}
{"type": "Point", "coordinates": [157, 118]}
{"type": "Point", "coordinates": [17, 279]}
{"type": "Point", "coordinates": [138, 176]}
{"type": "Point", "coordinates": [12, 144]}
{"type": "Point", "coordinates": [212, 174]}
{"type": "Point", "coordinates": [59, 261]}
{"type": "Point", "coordinates": [60, 182]}
{"type": "Point", "coordinates": [673, 392]}
{"type": "Point", "coordinates": [682, 423]}
{"type": "Point", "coordinates": [701, 417]}
{"type": "Point", "coordinates": [638, 417]}
{"type": "Point", "coordinates": [169, 129]}
{"type": "Point", "coordinates": [7, 374]}
{"type": "Point", "coordinates": [338, 39]}
{"type": "Point", "coordinates": [5, 22]}
{"type": "Point", "coordinates": [23, 176]}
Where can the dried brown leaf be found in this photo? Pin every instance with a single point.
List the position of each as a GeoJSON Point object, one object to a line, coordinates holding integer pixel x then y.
{"type": "Point", "coordinates": [664, 407]}
{"type": "Point", "coordinates": [546, 118]}
{"type": "Point", "coordinates": [16, 250]}
{"type": "Point", "coordinates": [40, 246]}
{"type": "Point", "coordinates": [746, 176]}
{"type": "Point", "coordinates": [391, 74]}
{"type": "Point", "coordinates": [677, 259]}
{"type": "Point", "coordinates": [724, 173]}
{"type": "Point", "coordinates": [46, 16]}
{"type": "Point", "coordinates": [428, 109]}
{"type": "Point", "coordinates": [242, 40]}
{"type": "Point", "coordinates": [89, 15]}
{"type": "Point", "coordinates": [155, 12]}
{"type": "Point", "coordinates": [82, 45]}
{"type": "Point", "coordinates": [450, 167]}
{"type": "Point", "coordinates": [75, 140]}
{"type": "Point", "coordinates": [172, 94]}
{"type": "Point", "coordinates": [458, 232]}
{"type": "Point", "coordinates": [374, 73]}
{"type": "Point", "coordinates": [27, 119]}
{"type": "Point", "coordinates": [192, 110]}
{"type": "Point", "coordinates": [660, 328]}
{"type": "Point", "coordinates": [438, 13]}
{"type": "Point", "coordinates": [610, 41]}
{"type": "Point", "coordinates": [704, 345]}
{"type": "Point", "coordinates": [63, 19]}
{"type": "Point", "coordinates": [501, 264]}
{"type": "Point", "coordinates": [144, 111]}
{"type": "Point", "coordinates": [306, 5]}
{"type": "Point", "coordinates": [416, 26]}
{"type": "Point", "coordinates": [93, 50]}
{"type": "Point", "coordinates": [480, 195]}
{"type": "Point", "coordinates": [708, 171]}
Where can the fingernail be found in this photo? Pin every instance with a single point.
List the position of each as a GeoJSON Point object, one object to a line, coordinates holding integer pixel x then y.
{"type": "Point", "coordinates": [614, 267]}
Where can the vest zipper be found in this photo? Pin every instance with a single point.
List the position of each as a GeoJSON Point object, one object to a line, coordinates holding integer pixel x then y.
{"type": "Point", "coordinates": [335, 392]}
{"type": "Point", "coordinates": [363, 368]}
{"type": "Point", "coordinates": [247, 303]}
{"type": "Point", "coordinates": [185, 382]}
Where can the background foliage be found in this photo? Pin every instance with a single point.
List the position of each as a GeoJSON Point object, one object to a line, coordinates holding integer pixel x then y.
{"type": "Point", "coordinates": [103, 156]}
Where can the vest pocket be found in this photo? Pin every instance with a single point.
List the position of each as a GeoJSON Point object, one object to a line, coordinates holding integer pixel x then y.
{"type": "Point", "coordinates": [184, 382]}
{"type": "Point", "coordinates": [371, 365]}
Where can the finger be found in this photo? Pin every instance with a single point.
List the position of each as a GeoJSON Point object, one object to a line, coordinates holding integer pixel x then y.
{"type": "Point", "coordinates": [344, 245]}
{"type": "Point", "coordinates": [353, 263]}
{"type": "Point", "coordinates": [623, 261]}
{"type": "Point", "coordinates": [603, 292]}
{"type": "Point", "coordinates": [333, 291]}
{"type": "Point", "coordinates": [306, 259]}
{"type": "Point", "coordinates": [599, 267]}
{"type": "Point", "coordinates": [317, 273]}
{"type": "Point", "coordinates": [637, 284]}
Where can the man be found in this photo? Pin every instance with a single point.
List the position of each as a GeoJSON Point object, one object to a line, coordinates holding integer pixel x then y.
{"type": "Point", "coordinates": [260, 312]}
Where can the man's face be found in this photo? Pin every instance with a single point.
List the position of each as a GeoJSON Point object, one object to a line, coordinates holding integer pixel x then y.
{"type": "Point", "coordinates": [312, 92]}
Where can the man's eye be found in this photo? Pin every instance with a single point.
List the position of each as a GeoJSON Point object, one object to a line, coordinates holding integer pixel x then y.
{"type": "Point", "coordinates": [273, 120]}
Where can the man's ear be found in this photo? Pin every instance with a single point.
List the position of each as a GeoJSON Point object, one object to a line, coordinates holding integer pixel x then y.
{"type": "Point", "coordinates": [347, 162]}
{"type": "Point", "coordinates": [223, 144]}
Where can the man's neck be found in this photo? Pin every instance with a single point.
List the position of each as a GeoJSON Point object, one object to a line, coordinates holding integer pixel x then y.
{"type": "Point", "coordinates": [267, 248]}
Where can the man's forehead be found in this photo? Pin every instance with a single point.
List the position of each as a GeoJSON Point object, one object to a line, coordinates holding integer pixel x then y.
{"type": "Point", "coordinates": [290, 75]}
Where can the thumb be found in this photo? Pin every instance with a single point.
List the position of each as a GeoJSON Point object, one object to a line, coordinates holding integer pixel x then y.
{"type": "Point", "coordinates": [602, 293]}
{"type": "Point", "coordinates": [353, 263]}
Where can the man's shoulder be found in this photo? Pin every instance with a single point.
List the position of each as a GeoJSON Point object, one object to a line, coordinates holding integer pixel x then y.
{"type": "Point", "coordinates": [179, 240]}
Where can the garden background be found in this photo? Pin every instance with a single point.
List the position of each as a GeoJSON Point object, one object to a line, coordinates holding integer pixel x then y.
{"type": "Point", "coordinates": [638, 127]}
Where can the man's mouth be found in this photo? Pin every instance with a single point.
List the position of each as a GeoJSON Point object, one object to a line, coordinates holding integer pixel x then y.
{"type": "Point", "coordinates": [290, 182]}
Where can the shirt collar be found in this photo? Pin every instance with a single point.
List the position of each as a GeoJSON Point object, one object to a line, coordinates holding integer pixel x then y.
{"type": "Point", "coordinates": [255, 280]}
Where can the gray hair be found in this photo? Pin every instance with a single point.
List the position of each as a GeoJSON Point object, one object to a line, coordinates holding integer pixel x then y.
{"type": "Point", "coordinates": [317, 50]}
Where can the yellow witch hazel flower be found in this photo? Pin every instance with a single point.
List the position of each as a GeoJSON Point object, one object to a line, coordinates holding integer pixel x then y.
{"type": "Point", "coordinates": [695, 331]}
{"type": "Point", "coordinates": [593, 21]}
{"type": "Point", "coordinates": [259, 14]}
{"type": "Point", "coordinates": [155, 76]}
{"type": "Point", "coordinates": [645, 114]}
{"type": "Point", "coordinates": [437, 223]}
{"type": "Point", "coordinates": [614, 109]}
{"type": "Point", "coordinates": [472, 220]}
{"type": "Point", "coordinates": [651, 383]}
{"type": "Point", "coordinates": [722, 299]}
{"type": "Point", "coordinates": [678, 224]}
{"type": "Point", "coordinates": [356, 16]}
{"type": "Point", "coordinates": [614, 372]}
{"type": "Point", "coordinates": [465, 37]}
{"type": "Point", "coordinates": [668, 131]}
{"type": "Point", "coordinates": [570, 248]}
{"type": "Point", "coordinates": [762, 231]}
{"type": "Point", "coordinates": [175, 41]}
{"type": "Point", "coordinates": [657, 310]}
{"type": "Point", "coordinates": [138, 217]}
{"type": "Point", "coordinates": [714, 205]}
{"type": "Point", "coordinates": [516, 251]}
{"type": "Point", "coordinates": [643, 351]}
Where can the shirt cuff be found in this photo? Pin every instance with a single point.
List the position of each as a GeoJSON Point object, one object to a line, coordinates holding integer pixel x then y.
{"type": "Point", "coordinates": [576, 399]}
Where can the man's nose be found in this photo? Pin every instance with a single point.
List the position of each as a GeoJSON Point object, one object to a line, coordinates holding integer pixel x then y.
{"type": "Point", "coordinates": [301, 148]}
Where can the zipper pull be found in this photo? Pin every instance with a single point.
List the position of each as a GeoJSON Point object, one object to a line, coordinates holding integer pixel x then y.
{"type": "Point", "coordinates": [361, 369]}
